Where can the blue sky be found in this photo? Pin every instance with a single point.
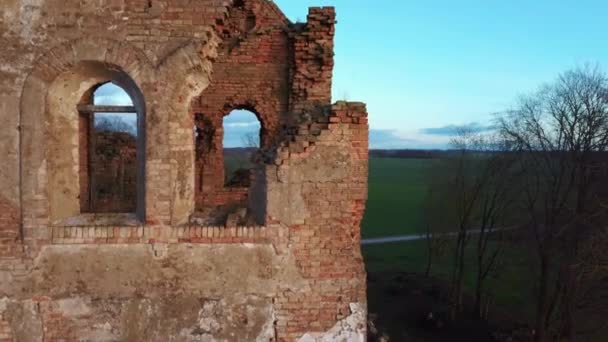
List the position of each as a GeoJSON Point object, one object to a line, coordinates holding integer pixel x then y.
{"type": "Point", "coordinates": [112, 95]}
{"type": "Point", "coordinates": [423, 66]}
{"type": "Point", "coordinates": [241, 129]}
{"type": "Point", "coordinates": [426, 67]}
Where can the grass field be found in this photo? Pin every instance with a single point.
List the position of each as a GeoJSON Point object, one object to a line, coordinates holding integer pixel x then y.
{"type": "Point", "coordinates": [236, 159]}
{"type": "Point", "coordinates": [397, 191]}
{"type": "Point", "coordinates": [397, 194]}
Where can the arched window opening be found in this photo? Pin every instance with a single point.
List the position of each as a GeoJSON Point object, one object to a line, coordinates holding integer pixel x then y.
{"type": "Point", "coordinates": [229, 181]}
{"type": "Point", "coordinates": [109, 151]}
{"type": "Point", "coordinates": [241, 142]}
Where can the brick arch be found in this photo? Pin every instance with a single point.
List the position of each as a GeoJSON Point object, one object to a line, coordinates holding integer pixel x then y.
{"type": "Point", "coordinates": [211, 191]}
{"type": "Point", "coordinates": [116, 57]}
{"type": "Point", "coordinates": [263, 108]}
{"type": "Point", "coordinates": [166, 92]}
{"type": "Point", "coordinates": [253, 74]}
{"type": "Point", "coordinates": [64, 56]}
{"type": "Point", "coordinates": [268, 124]}
{"type": "Point", "coordinates": [253, 66]}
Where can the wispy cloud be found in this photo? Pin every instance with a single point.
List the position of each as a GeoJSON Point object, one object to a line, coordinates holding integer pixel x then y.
{"type": "Point", "coordinates": [387, 139]}
{"type": "Point", "coordinates": [450, 130]}
{"type": "Point", "coordinates": [396, 139]}
{"type": "Point", "coordinates": [239, 127]}
{"type": "Point", "coordinates": [242, 124]}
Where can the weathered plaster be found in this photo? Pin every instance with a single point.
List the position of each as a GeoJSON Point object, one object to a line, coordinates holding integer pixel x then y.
{"type": "Point", "coordinates": [350, 329]}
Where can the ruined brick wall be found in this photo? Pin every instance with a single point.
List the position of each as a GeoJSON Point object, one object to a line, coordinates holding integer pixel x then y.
{"type": "Point", "coordinates": [326, 206]}
{"type": "Point", "coordinates": [266, 67]}
{"type": "Point", "coordinates": [156, 274]}
{"type": "Point", "coordinates": [9, 229]}
{"type": "Point", "coordinates": [252, 71]}
{"type": "Point", "coordinates": [314, 60]}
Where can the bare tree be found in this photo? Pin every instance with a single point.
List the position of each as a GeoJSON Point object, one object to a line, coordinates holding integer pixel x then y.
{"type": "Point", "coordinates": [115, 124]}
{"type": "Point", "coordinates": [237, 172]}
{"type": "Point", "coordinates": [560, 135]}
{"type": "Point", "coordinates": [473, 200]}
{"type": "Point", "coordinates": [251, 140]}
{"type": "Point", "coordinates": [437, 224]}
{"type": "Point", "coordinates": [493, 214]}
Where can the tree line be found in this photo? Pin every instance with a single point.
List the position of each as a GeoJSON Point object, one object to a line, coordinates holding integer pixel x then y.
{"type": "Point", "coordinates": [537, 184]}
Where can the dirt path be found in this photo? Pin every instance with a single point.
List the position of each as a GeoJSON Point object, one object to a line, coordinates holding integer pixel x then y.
{"type": "Point", "coordinates": [377, 241]}
{"type": "Point", "coordinates": [414, 237]}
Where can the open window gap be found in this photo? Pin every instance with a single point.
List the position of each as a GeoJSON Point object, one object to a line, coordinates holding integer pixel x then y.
{"type": "Point", "coordinates": [241, 142]}
{"type": "Point", "coordinates": [110, 149]}
{"type": "Point", "coordinates": [227, 171]}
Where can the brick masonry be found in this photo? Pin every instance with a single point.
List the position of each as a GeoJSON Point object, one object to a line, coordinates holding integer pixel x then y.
{"type": "Point", "coordinates": [157, 274]}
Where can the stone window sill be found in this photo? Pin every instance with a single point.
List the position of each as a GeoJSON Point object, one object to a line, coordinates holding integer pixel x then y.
{"type": "Point", "coordinates": [103, 220]}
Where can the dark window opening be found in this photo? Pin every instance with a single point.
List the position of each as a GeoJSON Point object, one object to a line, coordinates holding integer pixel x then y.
{"type": "Point", "coordinates": [109, 146]}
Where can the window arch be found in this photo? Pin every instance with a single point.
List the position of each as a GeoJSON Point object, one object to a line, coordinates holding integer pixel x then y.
{"type": "Point", "coordinates": [111, 151]}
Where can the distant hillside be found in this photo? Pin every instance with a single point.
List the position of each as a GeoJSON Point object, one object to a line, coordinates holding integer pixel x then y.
{"type": "Point", "coordinates": [404, 154]}
{"type": "Point", "coordinates": [239, 151]}
{"type": "Point", "coordinates": [417, 154]}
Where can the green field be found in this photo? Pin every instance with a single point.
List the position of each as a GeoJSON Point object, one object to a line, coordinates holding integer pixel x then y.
{"type": "Point", "coordinates": [397, 194]}
{"type": "Point", "coordinates": [235, 161]}
{"type": "Point", "coordinates": [397, 191]}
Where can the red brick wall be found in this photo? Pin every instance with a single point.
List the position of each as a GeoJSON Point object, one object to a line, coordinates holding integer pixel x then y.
{"type": "Point", "coordinates": [272, 69]}
{"type": "Point", "coordinates": [314, 60]}
{"type": "Point", "coordinates": [327, 244]}
{"type": "Point", "coordinates": [6, 333]}
{"type": "Point", "coordinates": [251, 72]}
{"type": "Point", "coordinates": [10, 244]}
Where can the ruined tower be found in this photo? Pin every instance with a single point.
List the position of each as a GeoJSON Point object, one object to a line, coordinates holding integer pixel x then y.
{"type": "Point", "coordinates": [189, 257]}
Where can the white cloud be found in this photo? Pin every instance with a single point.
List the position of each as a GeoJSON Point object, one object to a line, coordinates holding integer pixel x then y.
{"type": "Point", "coordinates": [243, 124]}
{"type": "Point", "coordinates": [110, 94]}
{"type": "Point", "coordinates": [395, 139]}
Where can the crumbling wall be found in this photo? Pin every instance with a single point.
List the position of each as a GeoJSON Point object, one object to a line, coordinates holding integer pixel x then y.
{"type": "Point", "coordinates": [252, 72]}
{"type": "Point", "coordinates": [313, 46]}
{"type": "Point", "coordinates": [10, 245]}
{"type": "Point", "coordinates": [271, 69]}
{"type": "Point", "coordinates": [325, 205]}
{"type": "Point", "coordinates": [157, 275]}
